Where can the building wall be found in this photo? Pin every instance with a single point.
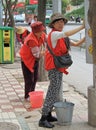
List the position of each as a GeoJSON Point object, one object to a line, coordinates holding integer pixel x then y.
{"type": "Point", "coordinates": [21, 0]}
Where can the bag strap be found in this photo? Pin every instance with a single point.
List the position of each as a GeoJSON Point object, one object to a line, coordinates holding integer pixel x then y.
{"type": "Point", "coordinates": [50, 50]}
{"type": "Point", "coordinates": [67, 43]}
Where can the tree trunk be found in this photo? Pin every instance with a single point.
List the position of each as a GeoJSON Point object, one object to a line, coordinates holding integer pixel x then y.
{"type": "Point", "coordinates": [41, 17]}
{"type": "Point", "coordinates": [8, 11]}
{"type": "Point", "coordinates": [42, 10]}
{"type": "Point", "coordinates": [92, 23]}
{"type": "Point", "coordinates": [92, 89]}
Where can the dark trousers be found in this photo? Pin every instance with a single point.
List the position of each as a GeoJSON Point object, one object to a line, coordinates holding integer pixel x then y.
{"type": "Point", "coordinates": [30, 78]}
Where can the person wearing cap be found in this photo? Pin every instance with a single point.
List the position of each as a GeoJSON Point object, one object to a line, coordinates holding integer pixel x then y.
{"type": "Point", "coordinates": [21, 33]}
{"type": "Point", "coordinates": [30, 54]}
{"type": "Point", "coordinates": [34, 19]}
{"type": "Point", "coordinates": [56, 42]}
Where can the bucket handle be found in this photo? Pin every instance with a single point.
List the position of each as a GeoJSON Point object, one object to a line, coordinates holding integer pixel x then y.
{"type": "Point", "coordinates": [64, 100]}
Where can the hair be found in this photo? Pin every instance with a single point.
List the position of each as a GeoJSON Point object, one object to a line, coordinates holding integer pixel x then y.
{"type": "Point", "coordinates": [57, 20]}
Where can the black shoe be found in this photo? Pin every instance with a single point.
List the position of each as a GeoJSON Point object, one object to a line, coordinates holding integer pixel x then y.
{"type": "Point", "coordinates": [51, 119]}
{"type": "Point", "coordinates": [45, 124]}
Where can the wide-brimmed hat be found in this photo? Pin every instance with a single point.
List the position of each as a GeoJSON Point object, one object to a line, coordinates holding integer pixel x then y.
{"type": "Point", "coordinates": [55, 17]}
{"type": "Point", "coordinates": [20, 29]}
{"type": "Point", "coordinates": [37, 27]}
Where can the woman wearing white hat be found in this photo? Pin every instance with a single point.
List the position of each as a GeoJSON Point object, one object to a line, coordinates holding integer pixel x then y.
{"type": "Point", "coordinates": [21, 34]}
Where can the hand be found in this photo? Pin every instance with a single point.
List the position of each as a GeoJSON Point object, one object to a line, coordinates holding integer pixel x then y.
{"type": "Point", "coordinates": [42, 53]}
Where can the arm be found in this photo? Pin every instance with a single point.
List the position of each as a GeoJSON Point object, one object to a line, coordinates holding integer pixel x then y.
{"type": "Point", "coordinates": [18, 37]}
{"type": "Point", "coordinates": [42, 53]}
{"type": "Point", "coordinates": [71, 32]}
{"type": "Point", "coordinates": [78, 43]}
{"type": "Point", "coordinates": [57, 35]}
{"type": "Point", "coordinates": [36, 51]}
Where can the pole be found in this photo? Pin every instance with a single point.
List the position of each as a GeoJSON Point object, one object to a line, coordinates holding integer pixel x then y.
{"type": "Point", "coordinates": [1, 13]}
{"type": "Point", "coordinates": [57, 9]}
{"type": "Point", "coordinates": [56, 6]}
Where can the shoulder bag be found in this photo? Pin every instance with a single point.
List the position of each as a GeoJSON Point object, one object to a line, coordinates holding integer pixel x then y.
{"type": "Point", "coordinates": [63, 61]}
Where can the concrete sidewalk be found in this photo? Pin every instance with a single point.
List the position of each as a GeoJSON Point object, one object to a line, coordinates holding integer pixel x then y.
{"type": "Point", "coordinates": [14, 109]}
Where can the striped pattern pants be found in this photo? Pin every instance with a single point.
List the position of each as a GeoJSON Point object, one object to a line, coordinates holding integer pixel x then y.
{"type": "Point", "coordinates": [52, 95]}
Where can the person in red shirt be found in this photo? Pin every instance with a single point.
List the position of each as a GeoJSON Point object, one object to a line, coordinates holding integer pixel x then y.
{"type": "Point", "coordinates": [30, 54]}
{"type": "Point", "coordinates": [34, 19]}
{"type": "Point", "coordinates": [21, 34]}
{"type": "Point", "coordinates": [56, 41]}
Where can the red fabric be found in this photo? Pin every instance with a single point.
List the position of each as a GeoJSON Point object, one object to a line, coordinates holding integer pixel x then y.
{"type": "Point", "coordinates": [27, 57]}
{"type": "Point", "coordinates": [33, 2]}
{"type": "Point", "coordinates": [21, 37]}
{"type": "Point", "coordinates": [60, 49]}
{"type": "Point", "coordinates": [37, 27]}
{"type": "Point", "coordinates": [25, 51]}
{"type": "Point", "coordinates": [18, 5]}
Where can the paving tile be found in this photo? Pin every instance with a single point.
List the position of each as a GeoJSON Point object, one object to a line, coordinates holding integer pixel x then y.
{"type": "Point", "coordinates": [7, 110]}
{"type": "Point", "coordinates": [5, 115]}
{"type": "Point", "coordinates": [17, 103]}
{"type": "Point", "coordinates": [6, 85]}
{"type": "Point", "coordinates": [20, 109]}
{"type": "Point", "coordinates": [23, 123]}
{"type": "Point", "coordinates": [9, 89]}
{"type": "Point", "coordinates": [3, 101]}
{"type": "Point", "coordinates": [8, 126]}
{"type": "Point", "coordinates": [11, 115]}
{"type": "Point", "coordinates": [13, 82]}
{"type": "Point", "coordinates": [12, 102]}
{"type": "Point", "coordinates": [4, 82]}
{"type": "Point", "coordinates": [6, 107]}
{"type": "Point", "coordinates": [16, 86]}
{"type": "Point", "coordinates": [3, 96]}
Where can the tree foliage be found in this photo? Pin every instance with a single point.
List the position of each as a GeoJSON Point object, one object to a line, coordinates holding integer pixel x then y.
{"type": "Point", "coordinates": [76, 13]}
{"type": "Point", "coordinates": [64, 5]}
{"type": "Point", "coordinates": [76, 2]}
{"type": "Point", "coordinates": [8, 9]}
{"type": "Point", "coordinates": [41, 17]}
{"type": "Point", "coordinates": [49, 1]}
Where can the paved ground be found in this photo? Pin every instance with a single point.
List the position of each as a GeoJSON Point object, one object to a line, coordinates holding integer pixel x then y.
{"type": "Point", "coordinates": [14, 109]}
